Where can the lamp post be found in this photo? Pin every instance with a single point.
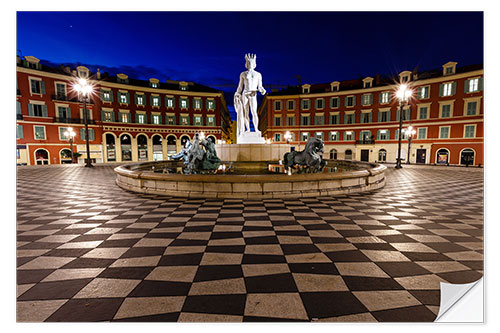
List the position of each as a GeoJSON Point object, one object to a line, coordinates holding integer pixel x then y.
{"type": "Point", "coordinates": [84, 89]}
{"type": "Point", "coordinates": [70, 134]}
{"type": "Point", "coordinates": [403, 95]}
{"type": "Point", "coordinates": [288, 137]}
{"type": "Point", "coordinates": [410, 132]}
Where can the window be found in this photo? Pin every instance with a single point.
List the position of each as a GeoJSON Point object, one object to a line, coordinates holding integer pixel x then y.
{"type": "Point", "coordinates": [306, 104]}
{"type": "Point", "coordinates": [422, 133]}
{"type": "Point", "coordinates": [197, 103]}
{"type": "Point", "coordinates": [472, 85]}
{"type": "Point", "coordinates": [423, 92]}
{"type": "Point", "coordinates": [470, 131]}
{"type": "Point", "coordinates": [60, 90]}
{"type": "Point", "coordinates": [291, 105]}
{"type": "Point", "coordinates": [39, 132]}
{"type": "Point", "coordinates": [185, 120]}
{"type": "Point", "coordinates": [383, 116]}
{"type": "Point", "coordinates": [184, 103]}
{"type": "Point", "coordinates": [304, 120]}
{"type": "Point", "coordinates": [385, 97]}
{"type": "Point", "coordinates": [19, 132]}
{"type": "Point", "coordinates": [37, 86]}
{"type": "Point", "coordinates": [123, 98]}
{"type": "Point", "coordinates": [319, 135]}
{"type": "Point", "coordinates": [449, 70]}
{"type": "Point", "coordinates": [141, 118]}
{"type": "Point", "coordinates": [349, 118]}
{"type": "Point", "coordinates": [37, 110]}
{"type": "Point", "coordinates": [319, 120]}
{"type": "Point", "coordinates": [334, 119]}
{"type": "Point", "coordinates": [154, 85]}
{"type": "Point", "coordinates": [366, 117]}
{"type": "Point", "coordinates": [107, 116]}
{"type": "Point", "coordinates": [210, 121]}
{"type": "Point", "coordinates": [140, 99]}
{"type": "Point", "coordinates": [444, 132]}
{"type": "Point", "coordinates": [197, 120]}
{"type": "Point", "coordinates": [350, 101]}
{"type": "Point", "coordinates": [304, 136]}
{"type": "Point", "coordinates": [334, 136]}
{"type": "Point", "coordinates": [348, 136]}
{"type": "Point", "coordinates": [277, 137]}
{"type": "Point", "coordinates": [91, 134]}
{"type": "Point", "coordinates": [320, 103]}
{"type": "Point", "coordinates": [124, 117]}
{"type": "Point", "coordinates": [63, 112]}
{"type": "Point", "coordinates": [277, 105]}
{"type": "Point", "coordinates": [155, 100]}
{"type": "Point", "coordinates": [210, 104]}
{"type": "Point", "coordinates": [367, 99]}
{"type": "Point", "coordinates": [383, 135]}
{"type": "Point", "coordinates": [446, 111]}
{"type": "Point", "coordinates": [170, 102]}
{"type": "Point", "coordinates": [62, 131]}
{"type": "Point", "coordinates": [106, 96]}
{"type": "Point", "coordinates": [423, 112]}
{"type": "Point", "coordinates": [334, 102]}
{"type": "Point", "coordinates": [365, 136]}
{"type": "Point", "coordinates": [406, 114]}
{"type": "Point", "coordinates": [277, 121]}
{"type": "Point", "coordinates": [290, 120]}
{"type": "Point", "coordinates": [171, 120]}
{"type": "Point", "coordinates": [156, 119]}
{"type": "Point", "coordinates": [471, 108]}
{"type": "Point", "coordinates": [447, 89]}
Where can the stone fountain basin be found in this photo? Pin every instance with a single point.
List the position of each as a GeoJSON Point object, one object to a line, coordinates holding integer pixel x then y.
{"type": "Point", "coordinates": [369, 177]}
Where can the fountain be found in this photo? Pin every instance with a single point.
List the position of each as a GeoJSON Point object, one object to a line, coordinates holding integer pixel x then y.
{"type": "Point", "coordinates": [250, 169]}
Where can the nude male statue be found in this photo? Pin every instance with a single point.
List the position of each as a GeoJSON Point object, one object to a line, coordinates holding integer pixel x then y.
{"type": "Point", "coordinates": [246, 98]}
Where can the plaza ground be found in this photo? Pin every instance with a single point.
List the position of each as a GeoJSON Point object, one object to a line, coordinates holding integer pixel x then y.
{"type": "Point", "coordinates": [90, 251]}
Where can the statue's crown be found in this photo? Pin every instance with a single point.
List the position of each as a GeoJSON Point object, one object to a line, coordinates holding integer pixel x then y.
{"type": "Point", "coordinates": [250, 56]}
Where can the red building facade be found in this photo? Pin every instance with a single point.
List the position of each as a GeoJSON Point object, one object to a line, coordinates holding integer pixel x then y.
{"type": "Point", "coordinates": [129, 119]}
{"type": "Point", "coordinates": [359, 119]}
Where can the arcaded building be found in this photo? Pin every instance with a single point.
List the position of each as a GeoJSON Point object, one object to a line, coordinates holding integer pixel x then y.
{"type": "Point", "coordinates": [129, 119]}
{"type": "Point", "coordinates": [359, 119]}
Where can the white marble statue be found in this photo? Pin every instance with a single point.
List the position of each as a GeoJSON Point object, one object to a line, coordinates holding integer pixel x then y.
{"type": "Point", "coordinates": [245, 100]}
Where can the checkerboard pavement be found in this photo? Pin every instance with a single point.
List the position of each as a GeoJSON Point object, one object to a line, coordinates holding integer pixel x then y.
{"type": "Point", "coordinates": [89, 251]}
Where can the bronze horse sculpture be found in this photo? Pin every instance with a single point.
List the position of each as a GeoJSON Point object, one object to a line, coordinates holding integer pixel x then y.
{"type": "Point", "coordinates": [308, 159]}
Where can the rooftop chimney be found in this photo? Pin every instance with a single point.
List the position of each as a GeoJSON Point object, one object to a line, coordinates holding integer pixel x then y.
{"type": "Point", "coordinates": [98, 75]}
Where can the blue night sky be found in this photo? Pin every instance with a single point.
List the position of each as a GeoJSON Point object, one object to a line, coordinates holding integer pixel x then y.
{"type": "Point", "coordinates": [209, 47]}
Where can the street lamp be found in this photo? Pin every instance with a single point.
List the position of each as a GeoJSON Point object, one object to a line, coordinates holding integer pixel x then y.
{"type": "Point", "coordinates": [403, 95]}
{"type": "Point", "coordinates": [409, 132]}
{"type": "Point", "coordinates": [288, 136]}
{"type": "Point", "coordinates": [70, 134]}
{"type": "Point", "coordinates": [84, 90]}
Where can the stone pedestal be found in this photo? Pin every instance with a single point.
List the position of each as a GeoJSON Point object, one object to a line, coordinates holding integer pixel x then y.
{"type": "Point", "coordinates": [250, 137]}
{"type": "Point", "coordinates": [252, 152]}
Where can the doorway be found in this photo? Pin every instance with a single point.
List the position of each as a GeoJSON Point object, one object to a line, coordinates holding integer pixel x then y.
{"type": "Point", "coordinates": [421, 153]}
{"type": "Point", "coordinates": [365, 154]}
{"type": "Point", "coordinates": [467, 157]}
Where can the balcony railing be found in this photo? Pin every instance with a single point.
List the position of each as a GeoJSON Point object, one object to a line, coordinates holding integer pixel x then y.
{"type": "Point", "coordinates": [73, 120]}
{"type": "Point", "coordinates": [19, 117]}
{"type": "Point", "coordinates": [365, 142]}
{"type": "Point", "coordinates": [65, 98]}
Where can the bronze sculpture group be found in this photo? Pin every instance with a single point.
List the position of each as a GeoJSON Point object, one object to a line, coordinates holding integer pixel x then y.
{"type": "Point", "coordinates": [199, 156]}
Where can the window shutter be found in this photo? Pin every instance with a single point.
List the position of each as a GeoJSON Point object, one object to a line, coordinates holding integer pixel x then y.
{"type": "Point", "coordinates": [102, 116]}
{"type": "Point", "coordinates": [111, 95]}
{"type": "Point", "coordinates": [354, 101]}
{"type": "Point", "coordinates": [379, 98]}
{"type": "Point", "coordinates": [419, 92]}
{"type": "Point", "coordinates": [378, 135]}
{"type": "Point", "coordinates": [101, 94]}
{"type": "Point", "coordinates": [82, 134]}
{"type": "Point", "coordinates": [454, 88]}
{"type": "Point", "coordinates": [18, 107]}
{"type": "Point", "coordinates": [20, 131]}
{"type": "Point", "coordinates": [480, 85]}
{"type": "Point", "coordinates": [135, 99]}
{"type": "Point", "coordinates": [370, 118]}
{"type": "Point", "coordinates": [379, 116]}
{"type": "Point", "coordinates": [91, 134]}
{"type": "Point", "coordinates": [371, 100]}
{"type": "Point", "coordinates": [466, 86]}
{"type": "Point", "coordinates": [397, 114]}
{"type": "Point", "coordinates": [30, 109]}
{"type": "Point", "coordinates": [345, 101]}
{"type": "Point", "coordinates": [44, 111]}
{"type": "Point", "coordinates": [112, 115]}
{"type": "Point", "coordinates": [136, 118]}
{"type": "Point", "coordinates": [128, 98]}
{"type": "Point", "coordinates": [42, 85]}
{"type": "Point", "coordinates": [441, 88]}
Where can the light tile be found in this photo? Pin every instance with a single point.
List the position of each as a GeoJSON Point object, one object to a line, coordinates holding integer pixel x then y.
{"type": "Point", "coordinates": [264, 269]}
{"type": "Point", "coordinates": [37, 311]}
{"type": "Point", "coordinates": [106, 253]}
{"type": "Point", "coordinates": [286, 305]}
{"type": "Point", "coordinates": [218, 287]}
{"type": "Point", "coordinates": [386, 299]}
{"type": "Point", "coordinates": [319, 282]}
{"type": "Point", "coordinates": [148, 306]}
{"type": "Point", "coordinates": [137, 262]}
{"type": "Point", "coordinates": [73, 273]}
{"type": "Point", "coordinates": [173, 273]}
{"type": "Point", "coordinates": [368, 269]}
{"type": "Point", "coordinates": [101, 288]}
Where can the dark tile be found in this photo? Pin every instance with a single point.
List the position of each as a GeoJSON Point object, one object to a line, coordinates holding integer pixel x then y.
{"type": "Point", "coordinates": [164, 317]}
{"type": "Point", "coordinates": [314, 268]}
{"type": "Point", "coordinates": [399, 269]}
{"type": "Point", "coordinates": [292, 233]}
{"type": "Point", "coordinates": [226, 249]}
{"type": "Point", "coordinates": [347, 256]}
{"type": "Point", "coordinates": [136, 273]}
{"type": "Point", "coordinates": [39, 246]}
{"type": "Point", "coordinates": [118, 243]}
{"type": "Point", "coordinates": [299, 248]}
{"type": "Point", "coordinates": [277, 283]}
{"type": "Point", "coordinates": [262, 240]}
{"type": "Point", "coordinates": [219, 304]}
{"type": "Point", "coordinates": [54, 290]}
{"type": "Point", "coordinates": [218, 272]}
{"type": "Point", "coordinates": [252, 319]}
{"type": "Point", "coordinates": [358, 283]}
{"type": "Point", "coordinates": [262, 259]}
{"type": "Point", "coordinates": [181, 259]}
{"type": "Point", "coordinates": [89, 238]}
{"type": "Point", "coordinates": [200, 228]}
{"type": "Point", "coordinates": [89, 263]}
{"type": "Point", "coordinates": [149, 288]}
{"type": "Point", "coordinates": [475, 264]}
{"type": "Point", "coordinates": [410, 314]}
{"type": "Point", "coordinates": [423, 256]}
{"type": "Point", "coordinates": [375, 246]}
{"type": "Point", "coordinates": [189, 242]}
{"type": "Point", "coordinates": [461, 277]}
{"type": "Point", "coordinates": [87, 310]}
{"type": "Point", "coordinates": [427, 297]}
{"type": "Point", "coordinates": [446, 247]}
{"type": "Point", "coordinates": [397, 239]}
{"type": "Point", "coordinates": [354, 233]}
{"type": "Point", "coordinates": [135, 252]}
{"type": "Point", "coordinates": [25, 276]}
{"type": "Point", "coordinates": [66, 253]}
{"type": "Point", "coordinates": [331, 304]}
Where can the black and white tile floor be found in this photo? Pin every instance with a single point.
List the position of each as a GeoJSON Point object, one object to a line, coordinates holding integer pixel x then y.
{"type": "Point", "coordinates": [90, 251]}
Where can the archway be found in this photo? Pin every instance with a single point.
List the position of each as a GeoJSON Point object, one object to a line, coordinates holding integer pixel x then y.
{"type": "Point", "coordinates": [333, 154]}
{"type": "Point", "coordinates": [157, 148]}
{"type": "Point", "coordinates": [41, 157]}
{"type": "Point", "coordinates": [126, 143]}
{"type": "Point", "coordinates": [382, 155]}
{"type": "Point", "coordinates": [110, 147]}
{"type": "Point", "coordinates": [467, 157]}
{"type": "Point", "coordinates": [65, 156]}
{"type": "Point", "coordinates": [171, 145]}
{"type": "Point", "coordinates": [211, 137]}
{"type": "Point", "coordinates": [142, 147]}
{"type": "Point", "coordinates": [348, 154]}
{"type": "Point", "coordinates": [442, 156]}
